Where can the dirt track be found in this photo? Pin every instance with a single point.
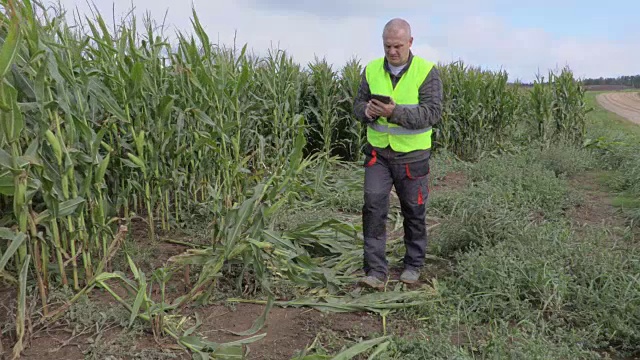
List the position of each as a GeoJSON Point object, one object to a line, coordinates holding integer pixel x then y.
{"type": "Point", "coordinates": [625, 104]}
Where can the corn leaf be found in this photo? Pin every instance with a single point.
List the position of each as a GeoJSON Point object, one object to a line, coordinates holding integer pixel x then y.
{"type": "Point", "coordinates": [7, 234]}
{"type": "Point", "coordinates": [258, 323]}
{"type": "Point", "coordinates": [373, 302]}
{"type": "Point", "coordinates": [102, 277]}
{"type": "Point", "coordinates": [25, 87]}
{"type": "Point", "coordinates": [359, 348]}
{"type": "Point", "coordinates": [313, 357]}
{"type": "Point", "coordinates": [13, 122]}
{"type": "Point", "coordinates": [10, 46]}
{"type": "Point", "coordinates": [141, 296]}
{"type": "Point", "coordinates": [16, 241]}
{"type": "Point", "coordinates": [225, 351]}
{"type": "Point", "coordinates": [379, 350]}
{"type": "Point", "coordinates": [106, 98]}
{"type": "Point", "coordinates": [9, 278]}
{"type": "Point", "coordinates": [68, 207]}
{"type": "Point", "coordinates": [5, 159]}
{"type": "Point", "coordinates": [6, 184]}
{"type": "Point", "coordinates": [192, 329]}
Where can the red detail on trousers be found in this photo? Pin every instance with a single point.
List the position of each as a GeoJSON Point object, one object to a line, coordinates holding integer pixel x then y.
{"type": "Point", "coordinates": [373, 159]}
{"type": "Point", "coordinates": [420, 196]}
{"type": "Point", "coordinates": [406, 167]}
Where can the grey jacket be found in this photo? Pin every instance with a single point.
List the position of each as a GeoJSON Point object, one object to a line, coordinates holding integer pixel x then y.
{"type": "Point", "coordinates": [426, 114]}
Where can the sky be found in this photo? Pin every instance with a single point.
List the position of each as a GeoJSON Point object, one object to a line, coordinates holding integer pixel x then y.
{"type": "Point", "coordinates": [593, 38]}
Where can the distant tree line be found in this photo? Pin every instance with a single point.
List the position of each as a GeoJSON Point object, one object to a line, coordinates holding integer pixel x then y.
{"type": "Point", "coordinates": [629, 80]}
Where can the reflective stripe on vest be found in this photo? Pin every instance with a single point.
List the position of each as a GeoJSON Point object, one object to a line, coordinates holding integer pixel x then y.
{"type": "Point", "coordinates": [398, 130]}
{"type": "Point", "coordinates": [406, 93]}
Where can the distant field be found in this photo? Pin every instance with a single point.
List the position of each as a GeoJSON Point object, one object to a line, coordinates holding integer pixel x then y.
{"type": "Point", "coordinates": [607, 87]}
{"type": "Point", "coordinates": [625, 104]}
{"type": "Point", "coordinates": [591, 87]}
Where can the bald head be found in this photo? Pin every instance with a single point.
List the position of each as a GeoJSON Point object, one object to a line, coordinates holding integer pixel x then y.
{"type": "Point", "coordinates": [397, 40]}
{"type": "Point", "coordinates": [397, 26]}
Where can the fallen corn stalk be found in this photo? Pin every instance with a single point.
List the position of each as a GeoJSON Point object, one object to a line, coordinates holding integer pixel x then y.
{"type": "Point", "coordinates": [374, 302]}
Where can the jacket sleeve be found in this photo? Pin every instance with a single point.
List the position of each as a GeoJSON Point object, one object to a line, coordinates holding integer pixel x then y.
{"type": "Point", "coordinates": [429, 109]}
{"type": "Point", "coordinates": [361, 100]}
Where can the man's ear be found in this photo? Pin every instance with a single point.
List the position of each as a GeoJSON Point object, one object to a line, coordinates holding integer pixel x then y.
{"type": "Point", "coordinates": [411, 41]}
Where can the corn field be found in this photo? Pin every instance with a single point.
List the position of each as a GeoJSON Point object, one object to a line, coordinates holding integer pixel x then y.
{"type": "Point", "coordinates": [101, 126]}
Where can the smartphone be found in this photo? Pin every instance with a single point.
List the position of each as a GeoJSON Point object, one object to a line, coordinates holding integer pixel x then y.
{"type": "Point", "coordinates": [382, 98]}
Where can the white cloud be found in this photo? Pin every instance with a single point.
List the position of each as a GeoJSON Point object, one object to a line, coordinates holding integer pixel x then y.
{"type": "Point", "coordinates": [369, 8]}
{"type": "Point", "coordinates": [489, 41]}
{"type": "Point", "coordinates": [340, 31]}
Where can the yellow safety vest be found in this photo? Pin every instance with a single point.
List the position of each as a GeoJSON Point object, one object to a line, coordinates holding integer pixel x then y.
{"type": "Point", "coordinates": [382, 133]}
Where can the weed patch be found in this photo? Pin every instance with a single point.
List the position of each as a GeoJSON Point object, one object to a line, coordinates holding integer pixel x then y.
{"type": "Point", "coordinates": [506, 195]}
{"type": "Point", "coordinates": [616, 145]}
{"type": "Point", "coordinates": [557, 281]}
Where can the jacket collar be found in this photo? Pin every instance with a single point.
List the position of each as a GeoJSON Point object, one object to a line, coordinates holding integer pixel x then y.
{"type": "Point", "coordinates": [387, 69]}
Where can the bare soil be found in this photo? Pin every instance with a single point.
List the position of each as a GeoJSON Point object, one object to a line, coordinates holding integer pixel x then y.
{"type": "Point", "coordinates": [289, 330]}
{"type": "Point", "coordinates": [113, 343]}
{"type": "Point", "coordinates": [454, 180]}
{"type": "Point", "coordinates": [597, 208]}
{"type": "Point", "coordinates": [625, 104]}
{"type": "Point", "coordinates": [7, 314]}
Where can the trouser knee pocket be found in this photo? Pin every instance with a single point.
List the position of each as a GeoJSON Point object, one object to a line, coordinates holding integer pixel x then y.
{"type": "Point", "coordinates": [416, 184]}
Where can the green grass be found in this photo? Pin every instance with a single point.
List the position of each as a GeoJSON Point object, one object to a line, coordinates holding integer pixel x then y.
{"type": "Point", "coordinates": [522, 281]}
{"type": "Point", "coordinates": [616, 142]}
{"type": "Point", "coordinates": [606, 124]}
{"type": "Point", "coordinates": [526, 282]}
{"type": "Point", "coordinates": [626, 202]}
{"type": "Point", "coordinates": [507, 194]}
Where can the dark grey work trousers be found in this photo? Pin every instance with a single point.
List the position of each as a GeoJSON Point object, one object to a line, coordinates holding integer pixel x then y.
{"type": "Point", "coordinates": [411, 184]}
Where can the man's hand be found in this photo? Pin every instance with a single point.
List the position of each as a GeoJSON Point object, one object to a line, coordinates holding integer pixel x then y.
{"type": "Point", "coordinates": [377, 108]}
{"type": "Point", "coordinates": [367, 111]}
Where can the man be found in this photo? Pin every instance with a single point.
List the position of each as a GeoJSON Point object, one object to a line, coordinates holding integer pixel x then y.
{"type": "Point", "coordinates": [398, 149]}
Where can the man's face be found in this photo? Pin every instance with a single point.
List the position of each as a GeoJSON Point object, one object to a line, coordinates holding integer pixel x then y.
{"type": "Point", "coordinates": [396, 47]}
